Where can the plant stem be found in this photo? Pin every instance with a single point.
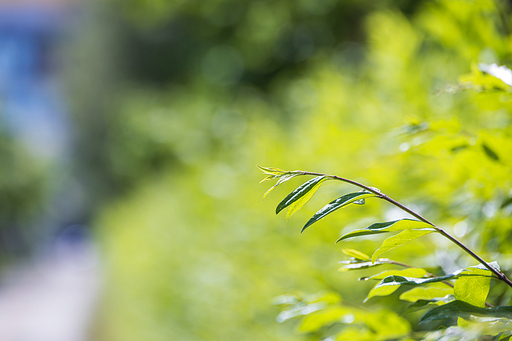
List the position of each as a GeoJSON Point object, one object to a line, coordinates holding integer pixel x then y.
{"type": "Point", "coordinates": [501, 276]}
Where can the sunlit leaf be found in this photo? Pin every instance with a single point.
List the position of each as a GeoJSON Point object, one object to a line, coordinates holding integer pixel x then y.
{"type": "Point", "coordinates": [356, 265]}
{"type": "Point", "coordinates": [297, 205]}
{"type": "Point", "coordinates": [437, 290]}
{"type": "Point", "coordinates": [390, 226]}
{"type": "Point", "coordinates": [336, 204]}
{"type": "Point", "coordinates": [411, 272]}
{"type": "Point", "coordinates": [281, 180]}
{"type": "Point", "coordinates": [356, 254]}
{"type": "Point", "coordinates": [272, 170]}
{"type": "Point", "coordinates": [400, 239]}
{"type": "Point", "coordinates": [487, 325]}
{"type": "Point", "coordinates": [465, 310]}
{"type": "Point", "coordinates": [385, 286]}
{"type": "Point", "coordinates": [325, 317]}
{"type": "Point", "coordinates": [473, 290]}
{"type": "Point", "coordinates": [503, 73]}
{"type": "Point", "coordinates": [299, 192]}
{"type": "Point", "coordinates": [300, 309]}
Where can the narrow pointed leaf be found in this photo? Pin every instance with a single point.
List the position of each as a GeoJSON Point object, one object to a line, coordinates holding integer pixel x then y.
{"type": "Point", "coordinates": [281, 180]}
{"type": "Point", "coordinates": [410, 272]}
{"type": "Point", "coordinates": [390, 226]}
{"type": "Point", "coordinates": [299, 192]}
{"type": "Point", "coordinates": [356, 254]}
{"type": "Point", "coordinates": [465, 310]}
{"type": "Point", "coordinates": [272, 170]}
{"type": "Point", "coordinates": [359, 265]}
{"type": "Point", "coordinates": [297, 205]}
{"type": "Point", "coordinates": [336, 204]}
{"type": "Point", "coordinates": [400, 239]}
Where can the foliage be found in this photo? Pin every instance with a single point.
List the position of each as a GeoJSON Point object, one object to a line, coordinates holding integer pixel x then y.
{"type": "Point", "coordinates": [192, 254]}
{"type": "Point", "coordinates": [466, 297]}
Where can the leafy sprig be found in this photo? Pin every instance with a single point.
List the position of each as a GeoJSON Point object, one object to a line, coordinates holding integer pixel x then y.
{"type": "Point", "coordinates": [466, 296]}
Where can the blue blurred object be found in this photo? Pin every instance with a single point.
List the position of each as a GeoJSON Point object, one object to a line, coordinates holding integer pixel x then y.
{"type": "Point", "coordinates": [32, 108]}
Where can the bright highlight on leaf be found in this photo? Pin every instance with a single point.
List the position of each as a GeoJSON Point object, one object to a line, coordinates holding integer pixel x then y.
{"type": "Point", "coordinates": [297, 205]}
{"type": "Point", "coordinates": [299, 192]}
{"type": "Point", "coordinates": [281, 180]}
{"type": "Point", "coordinates": [336, 204]}
{"type": "Point", "coordinates": [503, 73]}
{"type": "Point", "coordinates": [390, 226]}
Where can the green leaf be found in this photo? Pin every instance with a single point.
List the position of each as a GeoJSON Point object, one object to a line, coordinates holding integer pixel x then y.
{"type": "Point", "coordinates": [473, 290]}
{"type": "Point", "coordinates": [502, 72]}
{"type": "Point", "coordinates": [381, 291]}
{"type": "Point", "coordinates": [421, 304]}
{"type": "Point", "coordinates": [390, 226]}
{"type": "Point", "coordinates": [392, 283]}
{"type": "Point", "coordinates": [437, 290]}
{"type": "Point", "coordinates": [314, 321]}
{"type": "Point", "coordinates": [297, 205]}
{"type": "Point", "coordinates": [272, 171]}
{"type": "Point", "coordinates": [490, 153]}
{"type": "Point", "coordinates": [384, 290]}
{"type": "Point", "coordinates": [400, 239]}
{"type": "Point", "coordinates": [356, 254]}
{"type": "Point", "coordinates": [336, 204]}
{"type": "Point", "coordinates": [411, 272]}
{"type": "Point", "coordinates": [356, 265]}
{"type": "Point", "coordinates": [300, 309]}
{"type": "Point", "coordinates": [281, 180]}
{"type": "Point", "coordinates": [299, 192]}
{"type": "Point", "coordinates": [465, 310]}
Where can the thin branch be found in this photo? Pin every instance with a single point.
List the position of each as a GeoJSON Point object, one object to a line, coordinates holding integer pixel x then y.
{"type": "Point", "coordinates": [501, 276]}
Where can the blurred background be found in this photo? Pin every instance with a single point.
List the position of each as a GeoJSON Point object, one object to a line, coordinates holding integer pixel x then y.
{"type": "Point", "coordinates": [130, 130]}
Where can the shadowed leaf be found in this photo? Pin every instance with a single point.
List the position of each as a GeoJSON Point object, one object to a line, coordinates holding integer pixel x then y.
{"type": "Point", "coordinates": [465, 310]}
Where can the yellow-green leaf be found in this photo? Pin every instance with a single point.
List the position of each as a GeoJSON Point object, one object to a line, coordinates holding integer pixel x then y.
{"type": "Point", "coordinates": [471, 289]}
{"type": "Point", "coordinates": [299, 192]}
{"type": "Point", "coordinates": [435, 290]}
{"type": "Point", "coordinates": [381, 291]}
{"type": "Point", "coordinates": [356, 254]}
{"type": "Point", "coordinates": [272, 170]}
{"type": "Point", "coordinates": [400, 239]}
{"type": "Point", "coordinates": [390, 226]}
{"type": "Point", "coordinates": [297, 205]}
{"type": "Point", "coordinates": [281, 180]}
{"type": "Point", "coordinates": [411, 272]}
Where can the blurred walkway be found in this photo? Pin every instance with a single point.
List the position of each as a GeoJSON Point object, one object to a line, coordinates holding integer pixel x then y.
{"type": "Point", "coordinates": [52, 299]}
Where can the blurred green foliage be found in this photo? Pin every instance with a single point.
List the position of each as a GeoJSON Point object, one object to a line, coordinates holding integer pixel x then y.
{"type": "Point", "coordinates": [366, 90]}
{"type": "Point", "coordinates": [24, 187]}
